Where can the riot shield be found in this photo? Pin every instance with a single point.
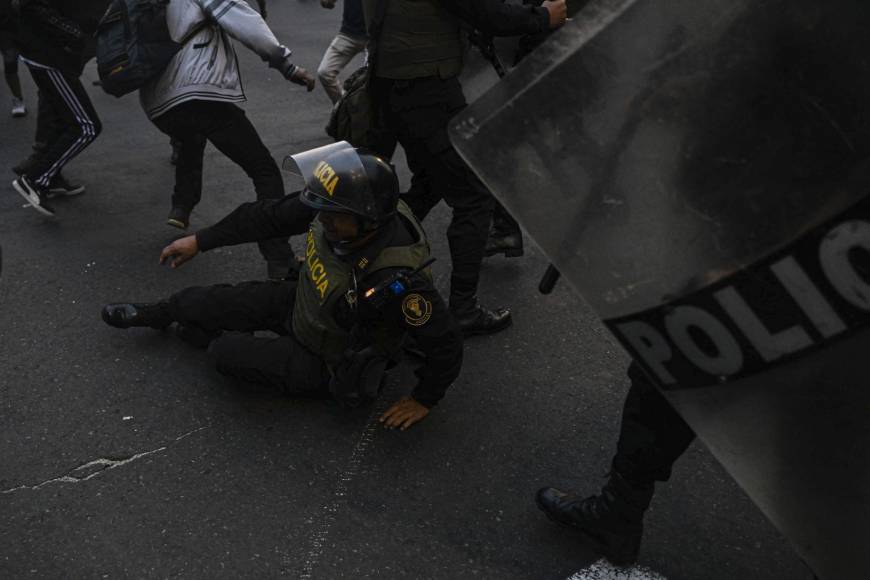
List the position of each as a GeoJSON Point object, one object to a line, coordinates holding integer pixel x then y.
{"type": "Point", "coordinates": [698, 171]}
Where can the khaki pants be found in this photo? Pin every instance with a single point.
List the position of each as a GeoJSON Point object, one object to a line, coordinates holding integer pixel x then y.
{"type": "Point", "coordinates": [341, 51]}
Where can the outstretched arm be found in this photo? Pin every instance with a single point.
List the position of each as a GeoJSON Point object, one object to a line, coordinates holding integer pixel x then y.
{"type": "Point", "coordinates": [258, 220]}
{"type": "Point", "coordinates": [250, 222]}
{"type": "Point", "coordinates": [245, 25]}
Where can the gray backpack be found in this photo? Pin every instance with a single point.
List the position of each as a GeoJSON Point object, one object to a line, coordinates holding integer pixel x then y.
{"type": "Point", "coordinates": [134, 45]}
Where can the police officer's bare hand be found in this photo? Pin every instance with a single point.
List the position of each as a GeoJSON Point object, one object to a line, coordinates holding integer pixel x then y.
{"type": "Point", "coordinates": [404, 413]}
{"type": "Point", "coordinates": [302, 77]}
{"type": "Point", "coordinates": [180, 251]}
{"type": "Point", "coordinates": [328, 4]}
{"type": "Point", "coordinates": [558, 10]}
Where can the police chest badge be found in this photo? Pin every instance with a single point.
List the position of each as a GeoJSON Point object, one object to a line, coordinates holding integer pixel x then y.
{"type": "Point", "coordinates": [417, 310]}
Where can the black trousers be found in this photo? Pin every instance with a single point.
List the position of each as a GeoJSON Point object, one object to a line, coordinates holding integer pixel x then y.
{"type": "Point", "coordinates": [417, 112]}
{"type": "Point", "coordinates": [281, 363]}
{"type": "Point", "coordinates": [194, 123]}
{"type": "Point", "coordinates": [48, 123]}
{"type": "Point", "coordinates": [652, 435]}
{"type": "Point", "coordinates": [10, 55]}
{"type": "Point", "coordinates": [74, 120]}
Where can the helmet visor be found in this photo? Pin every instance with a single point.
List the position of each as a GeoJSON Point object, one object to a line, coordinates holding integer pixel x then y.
{"type": "Point", "coordinates": [335, 179]}
{"type": "Point", "coordinates": [304, 162]}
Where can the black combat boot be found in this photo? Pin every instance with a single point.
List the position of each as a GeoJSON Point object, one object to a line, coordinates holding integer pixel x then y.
{"type": "Point", "coordinates": [153, 315]}
{"type": "Point", "coordinates": [505, 236]}
{"type": "Point", "coordinates": [613, 519]}
{"type": "Point", "coordinates": [474, 319]}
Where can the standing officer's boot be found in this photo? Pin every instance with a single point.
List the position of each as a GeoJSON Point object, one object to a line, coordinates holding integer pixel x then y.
{"type": "Point", "coordinates": [613, 519]}
{"type": "Point", "coordinates": [153, 315]}
{"type": "Point", "coordinates": [474, 319]}
{"type": "Point", "coordinates": [505, 236]}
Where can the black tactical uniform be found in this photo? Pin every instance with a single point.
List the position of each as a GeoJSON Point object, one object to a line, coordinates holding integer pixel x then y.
{"type": "Point", "coordinates": [652, 436]}
{"type": "Point", "coordinates": [417, 56]}
{"type": "Point", "coordinates": [326, 316]}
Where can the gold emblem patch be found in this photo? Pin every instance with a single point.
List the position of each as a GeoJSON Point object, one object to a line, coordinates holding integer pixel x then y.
{"type": "Point", "coordinates": [417, 310]}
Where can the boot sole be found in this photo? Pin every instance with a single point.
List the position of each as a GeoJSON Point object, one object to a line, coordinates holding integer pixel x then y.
{"type": "Point", "coordinates": [176, 224]}
{"type": "Point", "coordinates": [618, 549]}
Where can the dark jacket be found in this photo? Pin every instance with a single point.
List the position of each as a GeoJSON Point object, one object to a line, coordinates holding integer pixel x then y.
{"type": "Point", "coordinates": [6, 20]}
{"type": "Point", "coordinates": [353, 22]}
{"type": "Point", "coordinates": [58, 33]}
{"type": "Point", "coordinates": [492, 17]}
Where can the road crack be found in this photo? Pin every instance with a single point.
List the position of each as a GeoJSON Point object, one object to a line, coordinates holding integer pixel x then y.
{"type": "Point", "coordinates": [101, 465]}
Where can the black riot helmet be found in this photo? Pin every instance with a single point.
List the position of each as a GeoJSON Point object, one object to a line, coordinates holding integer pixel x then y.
{"type": "Point", "coordinates": [343, 179]}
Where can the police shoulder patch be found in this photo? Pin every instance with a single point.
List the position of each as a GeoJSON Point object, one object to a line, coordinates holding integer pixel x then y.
{"type": "Point", "coordinates": [417, 310]}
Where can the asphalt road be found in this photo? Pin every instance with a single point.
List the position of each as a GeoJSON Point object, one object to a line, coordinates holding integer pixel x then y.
{"type": "Point", "coordinates": [123, 454]}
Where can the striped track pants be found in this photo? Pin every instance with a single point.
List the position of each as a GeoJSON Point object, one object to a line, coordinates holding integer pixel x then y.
{"type": "Point", "coordinates": [76, 125]}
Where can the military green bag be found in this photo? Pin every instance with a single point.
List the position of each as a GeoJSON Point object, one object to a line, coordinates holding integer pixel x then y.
{"type": "Point", "coordinates": [354, 116]}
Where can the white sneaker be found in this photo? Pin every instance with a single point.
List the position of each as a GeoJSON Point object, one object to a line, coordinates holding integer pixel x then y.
{"type": "Point", "coordinates": [18, 108]}
{"type": "Point", "coordinates": [34, 195]}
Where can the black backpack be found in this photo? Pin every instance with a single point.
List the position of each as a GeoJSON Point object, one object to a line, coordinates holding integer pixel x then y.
{"type": "Point", "coordinates": [134, 45]}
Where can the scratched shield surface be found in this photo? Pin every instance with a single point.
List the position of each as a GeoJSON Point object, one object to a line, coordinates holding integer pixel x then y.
{"type": "Point", "coordinates": [697, 170]}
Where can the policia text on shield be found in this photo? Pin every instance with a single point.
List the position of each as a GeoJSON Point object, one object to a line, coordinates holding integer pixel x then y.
{"type": "Point", "coordinates": [338, 329]}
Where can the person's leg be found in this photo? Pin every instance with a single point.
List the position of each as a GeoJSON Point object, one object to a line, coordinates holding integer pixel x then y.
{"type": "Point", "coordinates": [505, 236]}
{"type": "Point", "coordinates": [419, 112]}
{"type": "Point", "coordinates": [77, 122]}
{"type": "Point", "coordinates": [281, 364]}
{"type": "Point", "coordinates": [48, 127]}
{"type": "Point", "coordinates": [421, 197]}
{"type": "Point", "coordinates": [229, 129]}
{"type": "Point", "coordinates": [652, 434]}
{"type": "Point", "coordinates": [340, 52]}
{"type": "Point", "coordinates": [652, 437]}
{"type": "Point", "coordinates": [210, 310]}
{"type": "Point", "coordinates": [49, 123]}
{"type": "Point", "coordinates": [245, 307]}
{"type": "Point", "coordinates": [10, 73]}
{"type": "Point", "coordinates": [180, 123]}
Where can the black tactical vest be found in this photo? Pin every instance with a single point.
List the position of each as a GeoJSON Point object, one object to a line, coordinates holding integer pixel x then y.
{"type": "Point", "coordinates": [325, 279]}
{"type": "Point", "coordinates": [419, 38]}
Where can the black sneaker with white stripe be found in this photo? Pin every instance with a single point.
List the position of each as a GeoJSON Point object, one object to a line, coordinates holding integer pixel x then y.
{"type": "Point", "coordinates": [35, 196]}
{"type": "Point", "coordinates": [60, 186]}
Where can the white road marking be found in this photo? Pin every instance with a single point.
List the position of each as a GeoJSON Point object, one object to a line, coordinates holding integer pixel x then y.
{"type": "Point", "coordinates": [330, 510]}
{"type": "Point", "coordinates": [96, 467]}
{"type": "Point", "coordinates": [604, 570]}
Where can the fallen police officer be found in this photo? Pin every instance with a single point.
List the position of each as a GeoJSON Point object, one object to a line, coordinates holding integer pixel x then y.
{"type": "Point", "coordinates": [364, 289]}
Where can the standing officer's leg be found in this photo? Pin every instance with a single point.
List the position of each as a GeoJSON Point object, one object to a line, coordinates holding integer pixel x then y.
{"type": "Point", "coordinates": [652, 437]}
{"type": "Point", "coordinates": [419, 112]}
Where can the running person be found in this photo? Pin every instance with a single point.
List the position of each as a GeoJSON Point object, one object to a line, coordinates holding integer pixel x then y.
{"type": "Point", "coordinates": [52, 39]}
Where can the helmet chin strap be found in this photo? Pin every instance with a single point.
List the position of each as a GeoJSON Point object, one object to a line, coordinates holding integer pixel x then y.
{"type": "Point", "coordinates": [366, 229]}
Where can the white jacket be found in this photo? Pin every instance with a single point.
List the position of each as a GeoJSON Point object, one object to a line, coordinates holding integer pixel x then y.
{"type": "Point", "coordinates": [206, 67]}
